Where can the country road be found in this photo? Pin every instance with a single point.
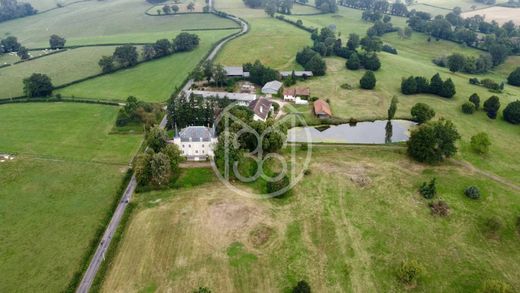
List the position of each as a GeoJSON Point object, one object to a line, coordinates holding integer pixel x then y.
{"type": "Point", "coordinates": [99, 256]}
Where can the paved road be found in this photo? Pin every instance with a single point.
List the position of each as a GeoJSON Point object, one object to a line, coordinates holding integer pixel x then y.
{"type": "Point", "coordinates": [99, 256]}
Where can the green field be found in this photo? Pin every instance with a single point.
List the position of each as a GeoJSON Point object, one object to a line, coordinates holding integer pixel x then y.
{"type": "Point", "coordinates": [443, 7]}
{"type": "Point", "coordinates": [57, 190]}
{"type": "Point", "coordinates": [121, 21]}
{"type": "Point", "coordinates": [152, 81]}
{"type": "Point", "coordinates": [61, 68]}
{"type": "Point", "coordinates": [344, 232]}
{"type": "Point", "coordinates": [273, 42]}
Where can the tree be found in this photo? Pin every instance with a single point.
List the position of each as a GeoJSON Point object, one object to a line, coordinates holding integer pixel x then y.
{"type": "Point", "coordinates": [491, 106]}
{"type": "Point", "coordinates": [472, 192]}
{"type": "Point", "coordinates": [107, 64]}
{"type": "Point", "coordinates": [317, 65]}
{"type": "Point", "coordinates": [160, 169]}
{"type": "Point", "coordinates": [422, 113]}
{"type": "Point", "coordinates": [302, 287]}
{"type": "Point", "coordinates": [56, 42]}
{"type": "Point", "coordinates": [371, 62]}
{"type": "Point", "coordinates": [475, 99]}
{"type": "Point", "coordinates": [409, 86]}
{"type": "Point", "coordinates": [393, 108]}
{"type": "Point", "coordinates": [37, 85]}
{"type": "Point", "coordinates": [353, 63]}
{"type": "Point", "coordinates": [270, 7]}
{"type": "Point", "coordinates": [499, 53]}
{"type": "Point", "coordinates": [142, 168]}
{"type": "Point", "coordinates": [185, 42]}
{"type": "Point", "coordinates": [456, 62]}
{"type": "Point", "coordinates": [353, 42]}
{"type": "Point", "coordinates": [468, 108]}
{"type": "Point", "coordinates": [512, 112]}
{"type": "Point", "coordinates": [166, 9]}
{"type": "Point", "coordinates": [433, 142]}
{"type": "Point", "coordinates": [514, 77]}
{"type": "Point", "coordinates": [23, 53]}
{"type": "Point", "coordinates": [208, 69]}
{"type": "Point", "coordinates": [191, 6]}
{"type": "Point", "coordinates": [162, 48]}
{"type": "Point", "coordinates": [480, 143]}
{"type": "Point", "coordinates": [220, 74]}
{"type": "Point", "coordinates": [10, 44]}
{"type": "Point", "coordinates": [368, 81]}
{"type": "Point", "coordinates": [173, 153]}
{"type": "Point", "coordinates": [448, 89]}
{"type": "Point", "coordinates": [175, 8]}
{"type": "Point", "coordinates": [126, 55]}
{"type": "Point", "coordinates": [156, 139]}
{"type": "Point", "coordinates": [371, 44]}
{"type": "Point", "coordinates": [148, 52]}
{"type": "Point", "coordinates": [436, 84]}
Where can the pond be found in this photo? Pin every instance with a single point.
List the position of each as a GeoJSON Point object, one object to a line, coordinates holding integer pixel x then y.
{"type": "Point", "coordinates": [376, 132]}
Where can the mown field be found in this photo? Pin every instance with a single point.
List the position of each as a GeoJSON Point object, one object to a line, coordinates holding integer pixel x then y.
{"type": "Point", "coordinates": [151, 81]}
{"type": "Point", "coordinates": [443, 7]}
{"type": "Point", "coordinates": [273, 42]}
{"type": "Point", "coordinates": [345, 232]}
{"type": "Point", "coordinates": [58, 189]}
{"type": "Point", "coordinates": [122, 21]}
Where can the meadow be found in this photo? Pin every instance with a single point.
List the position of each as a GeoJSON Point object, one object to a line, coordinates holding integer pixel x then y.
{"type": "Point", "coordinates": [152, 81]}
{"type": "Point", "coordinates": [122, 21]}
{"type": "Point", "coordinates": [345, 232]}
{"type": "Point", "coordinates": [443, 7]}
{"type": "Point", "coordinates": [57, 191]}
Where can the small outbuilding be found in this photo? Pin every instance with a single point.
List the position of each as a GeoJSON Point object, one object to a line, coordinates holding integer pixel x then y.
{"type": "Point", "coordinates": [272, 87]}
{"type": "Point", "coordinates": [322, 109]}
{"type": "Point", "coordinates": [292, 94]}
{"type": "Point", "coordinates": [302, 74]}
{"type": "Point", "coordinates": [236, 71]}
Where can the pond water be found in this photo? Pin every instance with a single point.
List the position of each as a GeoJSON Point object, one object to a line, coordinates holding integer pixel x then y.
{"type": "Point", "coordinates": [376, 132]}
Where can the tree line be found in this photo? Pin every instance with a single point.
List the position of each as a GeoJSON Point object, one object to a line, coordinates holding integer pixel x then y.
{"type": "Point", "coordinates": [377, 6]}
{"type": "Point", "coordinates": [127, 55]}
{"type": "Point", "coordinates": [436, 86]}
{"type": "Point", "coordinates": [11, 9]}
{"type": "Point", "coordinates": [10, 45]}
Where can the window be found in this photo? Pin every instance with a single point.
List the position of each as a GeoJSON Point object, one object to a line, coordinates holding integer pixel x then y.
{"type": "Point", "coordinates": [203, 151]}
{"type": "Point", "coordinates": [183, 146]}
{"type": "Point", "coordinates": [202, 145]}
{"type": "Point", "coordinates": [196, 151]}
{"type": "Point", "coordinates": [189, 145]}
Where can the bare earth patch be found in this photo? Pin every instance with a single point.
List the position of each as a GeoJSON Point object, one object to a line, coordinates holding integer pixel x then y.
{"type": "Point", "coordinates": [498, 14]}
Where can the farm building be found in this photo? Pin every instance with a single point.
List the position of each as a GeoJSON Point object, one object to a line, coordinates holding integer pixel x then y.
{"type": "Point", "coordinates": [261, 109]}
{"type": "Point", "coordinates": [322, 109]}
{"type": "Point", "coordinates": [236, 71]}
{"type": "Point", "coordinates": [196, 142]}
{"type": "Point", "coordinates": [272, 87]}
{"type": "Point", "coordinates": [242, 98]}
{"type": "Point", "coordinates": [291, 94]}
{"type": "Point", "coordinates": [303, 74]}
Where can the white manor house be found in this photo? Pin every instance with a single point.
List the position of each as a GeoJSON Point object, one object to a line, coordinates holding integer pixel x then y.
{"type": "Point", "coordinates": [196, 142]}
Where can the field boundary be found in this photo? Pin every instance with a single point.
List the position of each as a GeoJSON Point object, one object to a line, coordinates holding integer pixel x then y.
{"type": "Point", "coordinates": [54, 99]}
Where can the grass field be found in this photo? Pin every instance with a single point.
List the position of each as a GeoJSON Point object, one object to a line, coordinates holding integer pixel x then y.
{"type": "Point", "coordinates": [344, 232]}
{"type": "Point", "coordinates": [57, 190]}
{"type": "Point", "coordinates": [61, 68]}
{"type": "Point", "coordinates": [152, 81]}
{"type": "Point", "coordinates": [273, 42]}
{"type": "Point", "coordinates": [499, 14]}
{"type": "Point", "coordinates": [121, 21]}
{"type": "Point", "coordinates": [443, 7]}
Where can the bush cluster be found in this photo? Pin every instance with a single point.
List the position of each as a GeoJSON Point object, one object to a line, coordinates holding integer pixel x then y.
{"type": "Point", "coordinates": [138, 112]}
{"type": "Point", "coordinates": [467, 64]}
{"type": "Point", "coordinates": [418, 84]}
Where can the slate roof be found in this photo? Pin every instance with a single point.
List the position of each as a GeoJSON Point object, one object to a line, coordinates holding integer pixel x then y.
{"type": "Point", "coordinates": [235, 71]}
{"type": "Point", "coordinates": [297, 91]}
{"type": "Point", "coordinates": [261, 107]}
{"type": "Point", "coordinates": [272, 87]}
{"type": "Point", "coordinates": [196, 133]}
{"type": "Point", "coordinates": [296, 73]}
{"type": "Point", "coordinates": [246, 97]}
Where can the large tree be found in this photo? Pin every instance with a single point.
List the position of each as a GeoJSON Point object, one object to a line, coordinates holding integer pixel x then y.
{"type": "Point", "coordinates": [107, 64]}
{"type": "Point", "coordinates": [37, 85]}
{"type": "Point", "coordinates": [185, 42]}
{"type": "Point", "coordinates": [491, 106]}
{"type": "Point", "coordinates": [512, 112]}
{"type": "Point", "coordinates": [126, 55]}
{"type": "Point", "coordinates": [56, 42]}
{"type": "Point", "coordinates": [422, 113]}
{"type": "Point", "coordinates": [433, 142]}
{"type": "Point", "coordinates": [514, 77]}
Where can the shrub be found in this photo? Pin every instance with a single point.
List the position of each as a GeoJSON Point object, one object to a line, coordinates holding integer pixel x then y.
{"type": "Point", "coordinates": [422, 113]}
{"type": "Point", "coordinates": [346, 86]}
{"type": "Point", "coordinates": [428, 190]}
{"type": "Point", "coordinates": [371, 62]}
{"type": "Point", "coordinates": [490, 84]}
{"type": "Point", "coordinates": [472, 192]}
{"type": "Point", "coordinates": [389, 49]}
{"type": "Point", "coordinates": [368, 81]}
{"type": "Point", "coordinates": [475, 99]}
{"type": "Point", "coordinates": [302, 287]}
{"type": "Point", "coordinates": [480, 143]}
{"type": "Point", "coordinates": [409, 86]}
{"type": "Point", "coordinates": [474, 81]}
{"type": "Point", "coordinates": [514, 77]}
{"type": "Point", "coordinates": [491, 107]}
{"type": "Point", "coordinates": [353, 63]}
{"type": "Point", "coordinates": [493, 286]}
{"type": "Point", "coordinates": [278, 185]}
{"type": "Point", "coordinates": [468, 108]}
{"type": "Point", "coordinates": [409, 272]}
{"type": "Point", "coordinates": [512, 112]}
{"type": "Point", "coordinates": [440, 208]}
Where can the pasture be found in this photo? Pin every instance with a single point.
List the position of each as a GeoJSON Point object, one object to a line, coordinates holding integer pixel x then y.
{"type": "Point", "coordinates": [344, 232]}
{"type": "Point", "coordinates": [102, 22]}
{"type": "Point", "coordinates": [152, 81]}
{"type": "Point", "coordinates": [443, 7]}
{"type": "Point", "coordinates": [58, 189]}
{"type": "Point", "coordinates": [498, 14]}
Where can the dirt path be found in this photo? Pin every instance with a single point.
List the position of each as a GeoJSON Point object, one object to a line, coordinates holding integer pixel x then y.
{"type": "Point", "coordinates": [470, 167]}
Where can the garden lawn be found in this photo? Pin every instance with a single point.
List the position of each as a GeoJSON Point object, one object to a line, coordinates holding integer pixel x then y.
{"type": "Point", "coordinates": [345, 232]}
{"type": "Point", "coordinates": [61, 68]}
{"type": "Point", "coordinates": [57, 191]}
{"type": "Point", "coordinates": [152, 81]}
{"type": "Point", "coordinates": [273, 42]}
{"type": "Point", "coordinates": [101, 22]}
{"type": "Point", "coordinates": [415, 58]}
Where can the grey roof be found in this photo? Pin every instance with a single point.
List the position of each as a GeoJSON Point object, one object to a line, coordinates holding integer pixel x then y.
{"type": "Point", "coordinates": [235, 71]}
{"type": "Point", "coordinates": [196, 133]}
{"type": "Point", "coordinates": [232, 96]}
{"type": "Point", "coordinates": [296, 73]}
{"type": "Point", "coordinates": [272, 87]}
{"type": "Point", "coordinates": [261, 107]}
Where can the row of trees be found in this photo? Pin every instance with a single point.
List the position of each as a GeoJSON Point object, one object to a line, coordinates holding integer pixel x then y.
{"type": "Point", "coordinates": [418, 84]}
{"type": "Point", "coordinates": [260, 74]}
{"type": "Point", "coordinates": [367, 60]}
{"type": "Point", "coordinates": [378, 6]}
{"type": "Point", "coordinates": [136, 111]}
{"type": "Point", "coordinates": [491, 106]}
{"type": "Point", "coordinates": [127, 55]}
{"type": "Point", "coordinates": [186, 110]}
{"type": "Point", "coordinates": [11, 9]}
{"type": "Point", "coordinates": [468, 64]}
{"type": "Point", "coordinates": [311, 61]}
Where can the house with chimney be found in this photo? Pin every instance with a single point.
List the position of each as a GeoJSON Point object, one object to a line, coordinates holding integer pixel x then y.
{"type": "Point", "coordinates": [196, 142]}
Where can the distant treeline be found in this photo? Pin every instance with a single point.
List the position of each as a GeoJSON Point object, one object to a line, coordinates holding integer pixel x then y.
{"type": "Point", "coordinates": [11, 9]}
